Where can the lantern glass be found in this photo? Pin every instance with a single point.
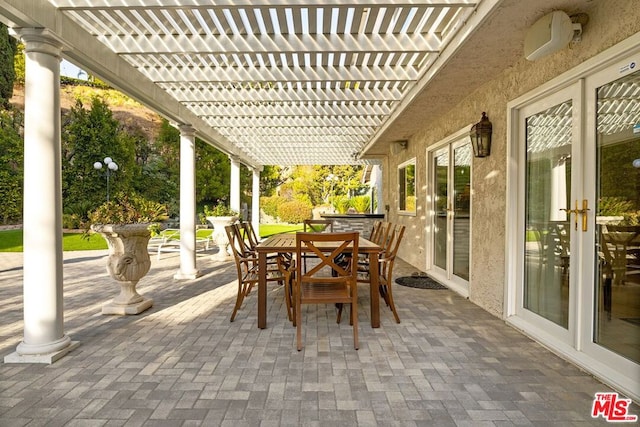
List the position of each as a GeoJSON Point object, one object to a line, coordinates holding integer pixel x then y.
{"type": "Point", "coordinates": [481, 137]}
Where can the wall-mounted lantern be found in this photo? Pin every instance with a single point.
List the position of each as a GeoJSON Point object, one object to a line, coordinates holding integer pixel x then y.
{"type": "Point", "coordinates": [481, 137]}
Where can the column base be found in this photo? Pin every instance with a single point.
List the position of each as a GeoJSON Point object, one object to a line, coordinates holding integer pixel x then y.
{"type": "Point", "coordinates": [112, 308]}
{"type": "Point", "coordinates": [180, 275]}
{"type": "Point", "coordinates": [46, 358]}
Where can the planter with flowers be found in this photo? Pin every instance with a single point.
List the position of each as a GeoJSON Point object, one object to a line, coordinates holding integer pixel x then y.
{"type": "Point", "coordinates": [220, 216]}
{"type": "Point", "coordinates": [127, 223]}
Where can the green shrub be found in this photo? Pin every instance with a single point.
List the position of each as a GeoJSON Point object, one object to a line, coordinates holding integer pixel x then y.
{"type": "Point", "coordinates": [613, 206]}
{"type": "Point", "coordinates": [125, 209]}
{"type": "Point", "coordinates": [270, 205]}
{"type": "Point", "coordinates": [295, 211]}
{"type": "Point", "coordinates": [631, 218]}
{"type": "Point", "coordinates": [73, 221]}
{"type": "Point", "coordinates": [341, 204]}
{"type": "Point", "coordinates": [220, 209]}
{"type": "Point", "coordinates": [361, 203]}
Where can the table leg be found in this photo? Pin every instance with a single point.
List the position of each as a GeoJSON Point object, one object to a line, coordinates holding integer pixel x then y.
{"type": "Point", "coordinates": [262, 290]}
{"type": "Point", "coordinates": [375, 292]}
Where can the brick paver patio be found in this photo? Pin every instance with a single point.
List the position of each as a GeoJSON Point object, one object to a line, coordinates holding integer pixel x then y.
{"type": "Point", "coordinates": [183, 363]}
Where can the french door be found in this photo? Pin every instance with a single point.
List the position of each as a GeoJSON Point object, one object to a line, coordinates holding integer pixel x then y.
{"type": "Point", "coordinates": [577, 230]}
{"type": "Point", "coordinates": [450, 184]}
{"type": "Point", "coordinates": [551, 137]}
{"type": "Point", "coordinates": [614, 297]}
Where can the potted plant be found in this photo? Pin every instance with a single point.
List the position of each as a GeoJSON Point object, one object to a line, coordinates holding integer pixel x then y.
{"type": "Point", "coordinates": [126, 223]}
{"type": "Point", "coordinates": [220, 216]}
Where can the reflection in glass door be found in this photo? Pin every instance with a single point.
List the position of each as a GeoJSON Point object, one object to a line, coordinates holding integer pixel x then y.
{"type": "Point", "coordinates": [547, 183]}
{"type": "Point", "coordinates": [451, 178]}
{"type": "Point", "coordinates": [441, 201]}
{"type": "Point", "coordinates": [617, 313]}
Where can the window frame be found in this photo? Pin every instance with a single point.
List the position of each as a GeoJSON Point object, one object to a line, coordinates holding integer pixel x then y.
{"type": "Point", "coordinates": [403, 188]}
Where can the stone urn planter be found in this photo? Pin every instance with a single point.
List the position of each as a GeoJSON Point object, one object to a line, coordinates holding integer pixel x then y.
{"type": "Point", "coordinates": [128, 262]}
{"type": "Point", "coordinates": [220, 236]}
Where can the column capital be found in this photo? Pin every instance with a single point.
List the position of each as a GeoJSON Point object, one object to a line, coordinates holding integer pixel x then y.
{"type": "Point", "coordinates": [234, 158]}
{"type": "Point", "coordinates": [40, 40]}
{"type": "Point", "coordinates": [187, 130]}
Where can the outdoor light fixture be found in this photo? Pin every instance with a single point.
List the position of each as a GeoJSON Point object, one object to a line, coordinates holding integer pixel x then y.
{"type": "Point", "coordinates": [398, 146]}
{"type": "Point", "coordinates": [111, 167]}
{"type": "Point", "coordinates": [481, 137]}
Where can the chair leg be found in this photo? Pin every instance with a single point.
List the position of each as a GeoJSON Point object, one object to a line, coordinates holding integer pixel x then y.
{"type": "Point", "coordinates": [384, 294]}
{"type": "Point", "coordinates": [298, 314]}
{"type": "Point", "coordinates": [243, 291]}
{"type": "Point", "coordinates": [392, 305]}
{"type": "Point", "coordinates": [288, 300]}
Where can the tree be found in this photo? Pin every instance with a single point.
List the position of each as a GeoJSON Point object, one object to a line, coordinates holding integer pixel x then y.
{"type": "Point", "coordinates": [213, 169]}
{"type": "Point", "coordinates": [7, 72]}
{"type": "Point", "coordinates": [271, 178]}
{"type": "Point", "coordinates": [160, 168]}
{"type": "Point", "coordinates": [11, 166]}
{"type": "Point", "coordinates": [88, 136]}
{"type": "Point", "coordinates": [18, 63]}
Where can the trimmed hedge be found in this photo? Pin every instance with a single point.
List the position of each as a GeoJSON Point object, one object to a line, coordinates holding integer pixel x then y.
{"type": "Point", "coordinates": [295, 211]}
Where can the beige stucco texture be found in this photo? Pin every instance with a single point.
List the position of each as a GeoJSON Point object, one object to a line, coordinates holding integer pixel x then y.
{"type": "Point", "coordinates": [609, 22]}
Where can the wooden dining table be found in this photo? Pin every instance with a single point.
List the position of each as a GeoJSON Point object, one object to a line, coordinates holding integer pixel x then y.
{"type": "Point", "coordinates": [286, 243]}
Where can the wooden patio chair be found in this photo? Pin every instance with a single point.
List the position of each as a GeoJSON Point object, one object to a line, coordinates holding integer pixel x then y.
{"type": "Point", "coordinates": [316, 226]}
{"type": "Point", "coordinates": [247, 271]}
{"type": "Point", "coordinates": [326, 282]}
{"type": "Point", "coordinates": [386, 260]}
{"type": "Point", "coordinates": [249, 234]}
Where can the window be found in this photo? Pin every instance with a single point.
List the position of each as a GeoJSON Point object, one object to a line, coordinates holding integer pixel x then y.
{"type": "Point", "coordinates": [407, 186]}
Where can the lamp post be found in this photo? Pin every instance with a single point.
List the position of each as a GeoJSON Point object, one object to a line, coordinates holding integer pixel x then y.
{"type": "Point", "coordinates": [331, 179]}
{"type": "Point", "coordinates": [111, 167]}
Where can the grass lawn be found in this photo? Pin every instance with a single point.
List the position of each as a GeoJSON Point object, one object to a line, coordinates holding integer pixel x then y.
{"type": "Point", "coordinates": [267, 230]}
{"type": "Point", "coordinates": [11, 240]}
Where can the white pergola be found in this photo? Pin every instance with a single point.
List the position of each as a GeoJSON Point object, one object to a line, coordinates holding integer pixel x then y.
{"type": "Point", "coordinates": [267, 82]}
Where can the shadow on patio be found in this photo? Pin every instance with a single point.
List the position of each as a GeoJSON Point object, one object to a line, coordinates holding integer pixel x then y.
{"type": "Point", "coordinates": [183, 363]}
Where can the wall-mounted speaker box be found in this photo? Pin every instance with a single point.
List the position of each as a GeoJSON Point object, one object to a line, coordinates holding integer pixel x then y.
{"type": "Point", "coordinates": [549, 34]}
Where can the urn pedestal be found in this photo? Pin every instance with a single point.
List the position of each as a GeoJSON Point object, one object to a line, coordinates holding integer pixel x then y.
{"type": "Point", "coordinates": [220, 236]}
{"type": "Point", "coordinates": [128, 262]}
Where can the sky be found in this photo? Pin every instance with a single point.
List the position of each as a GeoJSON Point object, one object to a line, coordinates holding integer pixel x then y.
{"type": "Point", "coordinates": [69, 69]}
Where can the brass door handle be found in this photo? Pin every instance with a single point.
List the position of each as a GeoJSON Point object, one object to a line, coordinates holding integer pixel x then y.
{"type": "Point", "coordinates": [582, 212]}
{"type": "Point", "coordinates": [572, 211]}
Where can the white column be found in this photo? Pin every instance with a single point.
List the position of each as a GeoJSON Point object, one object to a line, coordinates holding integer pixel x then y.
{"type": "Point", "coordinates": [187, 205]}
{"type": "Point", "coordinates": [234, 197]}
{"type": "Point", "coordinates": [255, 201]}
{"type": "Point", "coordinates": [44, 340]}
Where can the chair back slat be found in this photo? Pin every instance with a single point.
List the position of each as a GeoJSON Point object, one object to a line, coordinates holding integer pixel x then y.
{"type": "Point", "coordinates": [393, 242]}
{"type": "Point", "coordinates": [249, 234]}
{"type": "Point", "coordinates": [318, 226]}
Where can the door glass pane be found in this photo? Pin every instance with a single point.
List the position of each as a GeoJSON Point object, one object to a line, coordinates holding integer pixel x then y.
{"type": "Point", "coordinates": [548, 182]}
{"type": "Point", "coordinates": [461, 209]}
{"type": "Point", "coordinates": [618, 217]}
{"type": "Point", "coordinates": [441, 169]}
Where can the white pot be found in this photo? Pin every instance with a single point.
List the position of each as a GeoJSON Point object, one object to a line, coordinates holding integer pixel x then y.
{"type": "Point", "coordinates": [128, 262]}
{"type": "Point", "coordinates": [220, 236]}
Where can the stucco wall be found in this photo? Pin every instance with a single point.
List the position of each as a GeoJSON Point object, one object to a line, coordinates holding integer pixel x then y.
{"type": "Point", "coordinates": [610, 22]}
